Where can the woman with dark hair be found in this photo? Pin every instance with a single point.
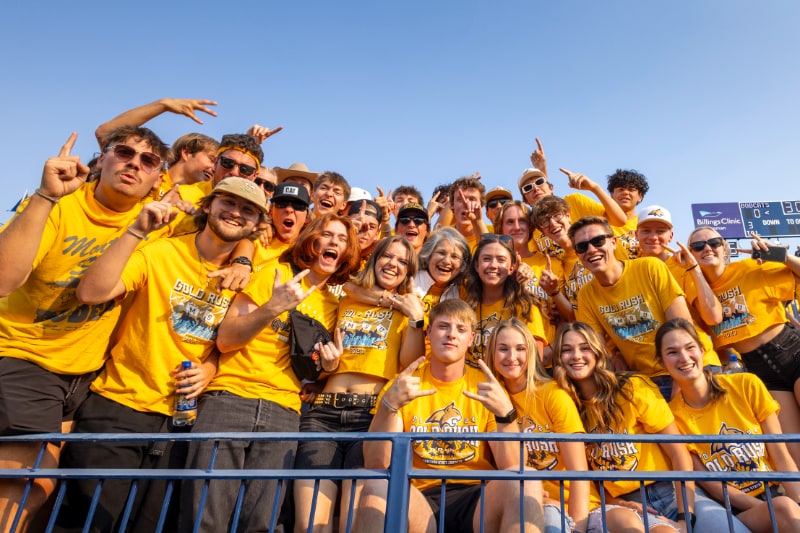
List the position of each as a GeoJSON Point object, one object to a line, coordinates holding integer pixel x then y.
{"type": "Point", "coordinates": [377, 343]}
{"type": "Point", "coordinates": [495, 294]}
{"type": "Point", "coordinates": [729, 404]}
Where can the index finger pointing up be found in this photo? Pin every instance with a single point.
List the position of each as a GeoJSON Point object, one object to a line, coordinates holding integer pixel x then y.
{"type": "Point", "coordinates": [380, 191]}
{"type": "Point", "coordinates": [67, 148]}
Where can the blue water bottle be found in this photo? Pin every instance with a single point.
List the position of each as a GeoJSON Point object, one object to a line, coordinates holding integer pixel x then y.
{"type": "Point", "coordinates": [185, 411]}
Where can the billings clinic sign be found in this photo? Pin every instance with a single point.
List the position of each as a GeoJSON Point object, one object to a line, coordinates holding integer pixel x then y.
{"type": "Point", "coordinates": [737, 220]}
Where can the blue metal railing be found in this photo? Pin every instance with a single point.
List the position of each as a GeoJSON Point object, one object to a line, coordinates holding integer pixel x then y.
{"type": "Point", "coordinates": [397, 475]}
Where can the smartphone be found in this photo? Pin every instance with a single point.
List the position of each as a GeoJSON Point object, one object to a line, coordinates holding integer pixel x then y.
{"type": "Point", "coordinates": [774, 253]}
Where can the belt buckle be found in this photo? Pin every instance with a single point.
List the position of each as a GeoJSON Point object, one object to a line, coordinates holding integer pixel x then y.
{"type": "Point", "coordinates": [340, 400]}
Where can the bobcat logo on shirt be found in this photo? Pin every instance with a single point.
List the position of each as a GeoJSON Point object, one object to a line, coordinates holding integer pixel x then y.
{"type": "Point", "coordinates": [448, 419]}
{"type": "Point", "coordinates": [737, 457]}
{"type": "Point", "coordinates": [542, 455]}
{"type": "Point", "coordinates": [613, 455]}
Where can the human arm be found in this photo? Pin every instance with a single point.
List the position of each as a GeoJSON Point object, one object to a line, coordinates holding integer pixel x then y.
{"type": "Point", "coordinates": [139, 115]}
{"type": "Point", "coordinates": [192, 382]}
{"type": "Point", "coordinates": [779, 455]}
{"type": "Point", "coordinates": [538, 160]}
{"type": "Point", "coordinates": [403, 390]}
{"type": "Point", "coordinates": [245, 319]}
{"type": "Point", "coordinates": [20, 240]}
{"type": "Point", "coordinates": [574, 456]}
{"type": "Point", "coordinates": [707, 303]}
{"type": "Point", "coordinates": [681, 460]}
{"type": "Point", "coordinates": [387, 206]}
{"type": "Point", "coordinates": [236, 276]}
{"type": "Point", "coordinates": [551, 285]}
{"type": "Point", "coordinates": [614, 213]}
{"type": "Point", "coordinates": [102, 281]}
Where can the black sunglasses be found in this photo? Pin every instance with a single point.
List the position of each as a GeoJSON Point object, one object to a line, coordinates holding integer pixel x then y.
{"type": "Point", "coordinates": [264, 184]}
{"type": "Point", "coordinates": [228, 164]}
{"type": "Point", "coordinates": [295, 204]}
{"type": "Point", "coordinates": [495, 237]}
{"type": "Point", "coordinates": [149, 161]}
{"type": "Point", "coordinates": [494, 202]}
{"type": "Point", "coordinates": [597, 242]}
{"type": "Point", "coordinates": [528, 187]}
{"type": "Point", "coordinates": [699, 246]}
{"type": "Point", "coordinates": [418, 221]}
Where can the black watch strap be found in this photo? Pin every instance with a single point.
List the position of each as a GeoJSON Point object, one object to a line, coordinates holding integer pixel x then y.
{"type": "Point", "coordinates": [510, 417]}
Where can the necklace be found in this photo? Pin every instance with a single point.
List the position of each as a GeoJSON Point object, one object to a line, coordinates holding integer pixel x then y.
{"type": "Point", "coordinates": [203, 270]}
{"type": "Point", "coordinates": [683, 397]}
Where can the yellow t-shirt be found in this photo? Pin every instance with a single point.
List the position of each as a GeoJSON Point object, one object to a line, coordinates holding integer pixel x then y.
{"type": "Point", "coordinates": [166, 185]}
{"type": "Point", "coordinates": [579, 206]}
{"type": "Point", "coordinates": [190, 192]}
{"type": "Point", "coordinates": [740, 412]}
{"type": "Point", "coordinates": [447, 411]}
{"type": "Point", "coordinates": [173, 317]}
{"type": "Point", "coordinates": [752, 298]}
{"type": "Point", "coordinates": [626, 236]}
{"type": "Point", "coordinates": [538, 263]}
{"type": "Point", "coordinates": [43, 322]}
{"type": "Point", "coordinates": [265, 256]}
{"type": "Point", "coordinates": [372, 338]}
{"type": "Point", "coordinates": [552, 411]}
{"type": "Point", "coordinates": [647, 413]}
{"type": "Point", "coordinates": [262, 369]}
{"type": "Point", "coordinates": [631, 310]}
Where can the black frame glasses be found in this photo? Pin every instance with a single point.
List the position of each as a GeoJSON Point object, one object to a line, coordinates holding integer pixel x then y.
{"type": "Point", "coordinates": [713, 243]}
{"type": "Point", "coordinates": [227, 163]}
{"type": "Point", "coordinates": [538, 182]}
{"type": "Point", "coordinates": [598, 242]}
{"type": "Point", "coordinates": [150, 162]}
{"type": "Point", "coordinates": [264, 184]}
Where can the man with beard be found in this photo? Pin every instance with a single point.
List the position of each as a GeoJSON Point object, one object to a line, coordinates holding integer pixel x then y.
{"type": "Point", "coordinates": [173, 317]}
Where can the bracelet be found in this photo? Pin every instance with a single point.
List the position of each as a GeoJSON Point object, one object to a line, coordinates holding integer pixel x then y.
{"type": "Point", "coordinates": [50, 199]}
{"type": "Point", "coordinates": [691, 267]}
{"type": "Point", "coordinates": [554, 294]}
{"type": "Point", "coordinates": [682, 516]}
{"type": "Point", "coordinates": [140, 236]}
{"type": "Point", "coordinates": [243, 260]}
{"type": "Point", "coordinates": [389, 406]}
{"type": "Point", "coordinates": [380, 299]}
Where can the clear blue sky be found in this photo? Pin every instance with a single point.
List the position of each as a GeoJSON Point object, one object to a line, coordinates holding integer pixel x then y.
{"type": "Point", "coordinates": [702, 97]}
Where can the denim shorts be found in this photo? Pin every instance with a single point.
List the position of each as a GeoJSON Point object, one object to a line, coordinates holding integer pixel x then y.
{"type": "Point", "coordinates": [595, 522]}
{"type": "Point", "coordinates": [330, 453]}
{"type": "Point", "coordinates": [660, 496]}
{"type": "Point", "coordinates": [777, 362]}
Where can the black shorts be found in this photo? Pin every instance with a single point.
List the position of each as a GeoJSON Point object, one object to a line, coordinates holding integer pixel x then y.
{"type": "Point", "coordinates": [777, 362]}
{"type": "Point", "coordinates": [461, 500]}
{"type": "Point", "coordinates": [35, 400]}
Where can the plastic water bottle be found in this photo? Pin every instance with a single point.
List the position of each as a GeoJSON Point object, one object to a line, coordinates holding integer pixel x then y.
{"type": "Point", "coordinates": [734, 366]}
{"type": "Point", "coordinates": [185, 411]}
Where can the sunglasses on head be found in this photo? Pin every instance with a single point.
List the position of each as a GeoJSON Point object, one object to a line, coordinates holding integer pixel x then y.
{"type": "Point", "coordinates": [418, 221]}
{"type": "Point", "coordinates": [264, 184]}
{"type": "Point", "coordinates": [149, 161]}
{"type": "Point", "coordinates": [699, 246]}
{"type": "Point", "coordinates": [494, 202]}
{"type": "Point", "coordinates": [528, 187]}
{"type": "Point", "coordinates": [597, 242]}
{"type": "Point", "coordinates": [228, 164]}
{"type": "Point", "coordinates": [495, 237]}
{"type": "Point", "coordinates": [295, 204]}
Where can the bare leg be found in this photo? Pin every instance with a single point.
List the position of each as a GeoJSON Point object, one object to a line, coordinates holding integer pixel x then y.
{"type": "Point", "coordinates": [371, 510]}
{"type": "Point", "coordinates": [502, 507]}
{"type": "Point", "coordinates": [323, 514]}
{"type": "Point", "coordinates": [789, 417]}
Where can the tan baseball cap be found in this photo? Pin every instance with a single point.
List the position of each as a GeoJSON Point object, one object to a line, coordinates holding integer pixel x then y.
{"type": "Point", "coordinates": [245, 189]}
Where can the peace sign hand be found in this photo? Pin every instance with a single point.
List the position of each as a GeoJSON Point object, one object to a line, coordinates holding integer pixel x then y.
{"type": "Point", "coordinates": [63, 174]}
{"type": "Point", "coordinates": [405, 388]}
{"type": "Point", "coordinates": [491, 393]}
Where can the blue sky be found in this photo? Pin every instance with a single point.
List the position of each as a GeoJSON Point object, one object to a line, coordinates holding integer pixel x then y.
{"type": "Point", "coordinates": [699, 96]}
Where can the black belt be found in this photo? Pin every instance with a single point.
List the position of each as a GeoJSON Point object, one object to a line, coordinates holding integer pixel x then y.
{"type": "Point", "coordinates": [340, 400]}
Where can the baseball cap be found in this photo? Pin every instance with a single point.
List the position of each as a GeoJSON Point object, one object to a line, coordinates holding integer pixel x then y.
{"type": "Point", "coordinates": [499, 192]}
{"type": "Point", "coordinates": [411, 208]}
{"type": "Point", "coordinates": [291, 191]}
{"type": "Point", "coordinates": [245, 189]}
{"type": "Point", "coordinates": [357, 193]}
{"type": "Point", "coordinates": [654, 212]}
{"type": "Point", "coordinates": [530, 173]}
{"type": "Point", "coordinates": [372, 209]}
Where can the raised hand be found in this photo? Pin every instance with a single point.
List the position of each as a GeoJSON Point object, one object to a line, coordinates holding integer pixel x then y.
{"type": "Point", "coordinates": [405, 388]}
{"type": "Point", "coordinates": [287, 296]}
{"type": "Point", "coordinates": [578, 181]}
{"type": "Point", "coordinates": [684, 258]}
{"type": "Point", "coordinates": [548, 281]}
{"type": "Point", "coordinates": [471, 207]}
{"type": "Point", "coordinates": [331, 352]}
{"type": "Point", "coordinates": [262, 133]}
{"type": "Point", "coordinates": [63, 174]}
{"type": "Point", "coordinates": [154, 216]}
{"type": "Point", "coordinates": [174, 197]}
{"type": "Point", "coordinates": [538, 160]}
{"type": "Point", "coordinates": [491, 393]}
{"type": "Point", "coordinates": [187, 107]}
{"type": "Point", "coordinates": [386, 203]}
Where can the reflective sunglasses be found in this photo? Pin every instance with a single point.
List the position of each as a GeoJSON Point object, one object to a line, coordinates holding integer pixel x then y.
{"type": "Point", "coordinates": [597, 242]}
{"type": "Point", "coordinates": [528, 187]}
{"type": "Point", "coordinates": [261, 182]}
{"type": "Point", "coordinates": [494, 202]}
{"type": "Point", "coordinates": [495, 237]}
{"type": "Point", "coordinates": [699, 246]}
{"type": "Point", "coordinates": [150, 162]}
{"type": "Point", "coordinates": [295, 204]}
{"type": "Point", "coordinates": [228, 164]}
{"type": "Point", "coordinates": [418, 221]}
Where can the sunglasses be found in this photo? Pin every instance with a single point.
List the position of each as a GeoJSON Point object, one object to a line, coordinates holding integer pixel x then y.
{"type": "Point", "coordinates": [228, 164]}
{"type": "Point", "coordinates": [264, 184]}
{"type": "Point", "coordinates": [495, 237]}
{"type": "Point", "coordinates": [150, 162]}
{"type": "Point", "coordinates": [295, 204]}
{"type": "Point", "coordinates": [699, 246]}
{"type": "Point", "coordinates": [528, 187]}
{"type": "Point", "coordinates": [494, 202]}
{"type": "Point", "coordinates": [597, 242]}
{"type": "Point", "coordinates": [418, 221]}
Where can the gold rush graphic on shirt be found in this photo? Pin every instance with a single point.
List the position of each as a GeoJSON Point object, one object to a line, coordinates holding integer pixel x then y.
{"type": "Point", "coordinates": [448, 419]}
{"type": "Point", "coordinates": [542, 455]}
{"type": "Point", "coordinates": [630, 318]}
{"type": "Point", "coordinates": [734, 312]}
{"type": "Point", "coordinates": [195, 313]}
{"type": "Point", "coordinates": [365, 329]}
{"type": "Point", "coordinates": [613, 455]}
{"type": "Point", "coordinates": [737, 457]}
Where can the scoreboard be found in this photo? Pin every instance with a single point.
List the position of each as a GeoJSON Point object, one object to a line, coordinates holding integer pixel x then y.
{"type": "Point", "coordinates": [737, 220]}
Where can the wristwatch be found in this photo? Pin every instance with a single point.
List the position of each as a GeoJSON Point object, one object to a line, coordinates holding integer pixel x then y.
{"type": "Point", "coordinates": [510, 417]}
{"type": "Point", "coordinates": [416, 324]}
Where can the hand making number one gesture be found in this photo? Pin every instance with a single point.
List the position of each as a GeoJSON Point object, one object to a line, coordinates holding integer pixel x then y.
{"type": "Point", "coordinates": [63, 174]}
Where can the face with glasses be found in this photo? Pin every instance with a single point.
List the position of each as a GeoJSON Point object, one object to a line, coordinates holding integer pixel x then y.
{"type": "Point", "coordinates": [130, 170]}
{"type": "Point", "coordinates": [414, 228]}
{"type": "Point", "coordinates": [535, 189]}
{"type": "Point", "coordinates": [595, 248]}
{"type": "Point", "coordinates": [234, 163]}
{"type": "Point", "coordinates": [493, 207]}
{"type": "Point", "coordinates": [267, 180]}
{"type": "Point", "coordinates": [555, 226]}
{"type": "Point", "coordinates": [708, 247]}
{"type": "Point", "coordinates": [445, 263]}
{"type": "Point", "coordinates": [288, 218]}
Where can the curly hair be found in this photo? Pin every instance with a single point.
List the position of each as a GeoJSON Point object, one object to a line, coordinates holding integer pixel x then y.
{"type": "Point", "coordinates": [628, 178]}
{"type": "Point", "coordinates": [546, 208]}
{"type": "Point", "coordinates": [367, 279]}
{"type": "Point", "coordinates": [243, 143]}
{"type": "Point", "coordinates": [304, 251]}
